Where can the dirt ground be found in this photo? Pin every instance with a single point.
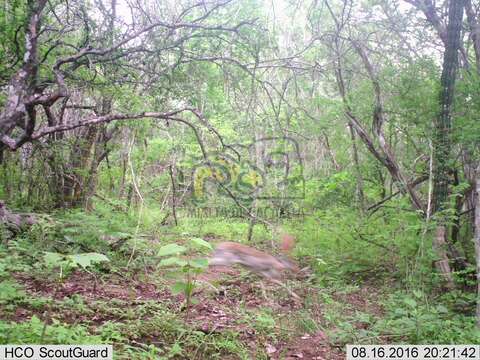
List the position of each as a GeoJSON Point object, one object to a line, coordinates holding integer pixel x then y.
{"type": "Point", "coordinates": [216, 310]}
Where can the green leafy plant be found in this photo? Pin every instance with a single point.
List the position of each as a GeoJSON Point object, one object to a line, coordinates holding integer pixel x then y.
{"type": "Point", "coordinates": [33, 332]}
{"type": "Point", "coordinates": [65, 264]}
{"type": "Point", "coordinates": [265, 322]}
{"type": "Point", "coordinates": [419, 320]}
{"type": "Point", "coordinates": [186, 267]}
{"type": "Point", "coordinates": [11, 294]}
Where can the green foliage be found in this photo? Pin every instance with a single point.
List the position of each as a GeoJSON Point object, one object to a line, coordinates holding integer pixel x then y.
{"type": "Point", "coordinates": [67, 263]}
{"type": "Point", "coordinates": [418, 320]}
{"type": "Point", "coordinates": [341, 244]}
{"type": "Point", "coordinates": [187, 268]}
{"type": "Point", "coordinates": [171, 249]}
{"type": "Point", "coordinates": [335, 189]}
{"type": "Point", "coordinates": [31, 332]}
{"type": "Point", "coordinates": [467, 129]}
{"type": "Point", "coordinates": [12, 35]}
{"type": "Point", "coordinates": [11, 292]}
{"type": "Point", "coordinates": [265, 323]}
{"type": "Point", "coordinates": [177, 338]}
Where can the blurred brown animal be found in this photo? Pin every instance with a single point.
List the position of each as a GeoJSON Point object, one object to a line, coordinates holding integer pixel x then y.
{"type": "Point", "coordinates": [270, 267]}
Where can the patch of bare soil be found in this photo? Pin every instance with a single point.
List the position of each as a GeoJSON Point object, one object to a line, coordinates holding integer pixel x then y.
{"type": "Point", "coordinates": [217, 308]}
{"type": "Point", "coordinates": [84, 284]}
{"type": "Point", "coordinates": [311, 347]}
{"type": "Point", "coordinates": [130, 292]}
{"type": "Point", "coordinates": [364, 300]}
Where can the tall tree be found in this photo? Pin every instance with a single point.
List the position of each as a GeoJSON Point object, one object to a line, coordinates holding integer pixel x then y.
{"type": "Point", "coordinates": [442, 138]}
{"type": "Point", "coordinates": [477, 242]}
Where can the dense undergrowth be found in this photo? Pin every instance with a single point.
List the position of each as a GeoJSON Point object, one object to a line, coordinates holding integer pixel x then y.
{"type": "Point", "coordinates": [367, 283]}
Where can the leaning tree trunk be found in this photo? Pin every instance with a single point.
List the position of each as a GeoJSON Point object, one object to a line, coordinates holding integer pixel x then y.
{"type": "Point", "coordinates": [442, 142]}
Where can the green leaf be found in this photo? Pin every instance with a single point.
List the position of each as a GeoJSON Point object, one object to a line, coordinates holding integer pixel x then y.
{"type": "Point", "coordinates": [199, 242]}
{"type": "Point", "coordinates": [194, 301]}
{"type": "Point", "coordinates": [442, 309]}
{"type": "Point", "coordinates": [400, 312]}
{"type": "Point", "coordinates": [10, 291]}
{"type": "Point", "coordinates": [171, 249]}
{"type": "Point", "coordinates": [53, 259]}
{"type": "Point", "coordinates": [410, 302]}
{"type": "Point", "coordinates": [178, 288]}
{"type": "Point", "coordinates": [176, 349]}
{"type": "Point", "coordinates": [199, 263]}
{"type": "Point", "coordinates": [119, 234]}
{"type": "Point", "coordinates": [418, 294]}
{"type": "Point", "coordinates": [87, 259]}
{"type": "Point", "coordinates": [172, 261]}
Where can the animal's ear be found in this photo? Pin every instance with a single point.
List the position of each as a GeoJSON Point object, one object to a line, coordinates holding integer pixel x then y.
{"type": "Point", "coordinates": [288, 243]}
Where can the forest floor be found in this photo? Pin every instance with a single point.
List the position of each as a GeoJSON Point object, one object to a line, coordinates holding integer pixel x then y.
{"type": "Point", "coordinates": [128, 301]}
{"type": "Point", "coordinates": [228, 301]}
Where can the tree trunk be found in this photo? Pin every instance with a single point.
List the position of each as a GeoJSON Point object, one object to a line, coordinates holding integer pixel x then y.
{"type": "Point", "coordinates": [477, 242]}
{"type": "Point", "coordinates": [83, 166]}
{"type": "Point", "coordinates": [442, 142]}
{"type": "Point", "coordinates": [358, 172]}
{"type": "Point", "coordinates": [442, 263]}
{"type": "Point", "coordinates": [336, 166]}
{"type": "Point", "coordinates": [171, 171]}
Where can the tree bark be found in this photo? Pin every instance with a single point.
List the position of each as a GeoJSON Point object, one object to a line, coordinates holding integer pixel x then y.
{"type": "Point", "coordinates": [174, 195]}
{"type": "Point", "coordinates": [21, 87]}
{"type": "Point", "coordinates": [477, 242]}
{"type": "Point", "coordinates": [336, 166]}
{"type": "Point", "coordinates": [358, 172]}
{"type": "Point", "coordinates": [442, 142]}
